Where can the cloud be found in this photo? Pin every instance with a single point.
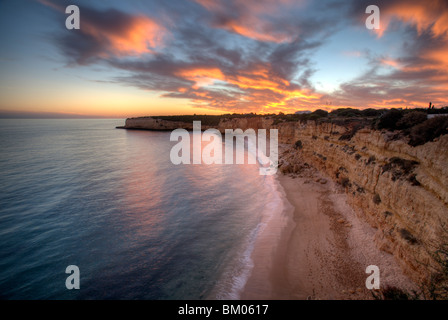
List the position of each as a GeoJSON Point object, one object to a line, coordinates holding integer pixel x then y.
{"type": "Point", "coordinates": [257, 55]}
{"type": "Point", "coordinates": [410, 81]}
{"type": "Point", "coordinates": [254, 86]}
{"type": "Point", "coordinates": [109, 33]}
{"type": "Point", "coordinates": [426, 16]}
{"type": "Point", "coordinates": [253, 19]}
{"type": "Point", "coordinates": [415, 75]}
{"type": "Point", "coordinates": [122, 34]}
{"type": "Point", "coordinates": [218, 70]}
{"type": "Point", "coordinates": [429, 15]}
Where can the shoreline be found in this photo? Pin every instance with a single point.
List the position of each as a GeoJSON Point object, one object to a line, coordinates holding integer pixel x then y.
{"type": "Point", "coordinates": [322, 247]}
{"type": "Point", "coordinates": [268, 255]}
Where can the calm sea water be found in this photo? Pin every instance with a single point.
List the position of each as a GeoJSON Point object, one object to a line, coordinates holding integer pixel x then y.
{"type": "Point", "coordinates": [80, 192]}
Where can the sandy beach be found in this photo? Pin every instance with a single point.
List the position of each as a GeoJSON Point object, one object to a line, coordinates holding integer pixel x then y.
{"type": "Point", "coordinates": [323, 247]}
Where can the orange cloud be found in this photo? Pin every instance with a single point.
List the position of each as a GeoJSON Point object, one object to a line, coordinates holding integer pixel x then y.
{"type": "Point", "coordinates": [250, 18]}
{"type": "Point", "coordinates": [141, 36]}
{"type": "Point", "coordinates": [390, 62]}
{"type": "Point", "coordinates": [260, 91]}
{"type": "Point", "coordinates": [428, 15]}
{"type": "Point", "coordinates": [250, 32]}
{"type": "Point", "coordinates": [201, 76]}
{"type": "Point", "coordinates": [118, 33]}
{"type": "Point", "coordinates": [439, 57]}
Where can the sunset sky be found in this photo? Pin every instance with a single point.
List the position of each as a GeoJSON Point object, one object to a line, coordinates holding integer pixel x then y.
{"type": "Point", "coordinates": [159, 57]}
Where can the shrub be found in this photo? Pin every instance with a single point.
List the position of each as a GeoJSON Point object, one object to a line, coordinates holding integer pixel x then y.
{"type": "Point", "coordinates": [376, 199]}
{"type": "Point", "coordinates": [321, 157]}
{"type": "Point", "coordinates": [320, 113]}
{"type": "Point", "coordinates": [428, 130]}
{"type": "Point", "coordinates": [443, 110]}
{"type": "Point", "coordinates": [391, 293]}
{"type": "Point", "coordinates": [348, 136]}
{"type": "Point", "coordinates": [413, 180]}
{"type": "Point", "coordinates": [371, 112]}
{"type": "Point", "coordinates": [389, 120]}
{"type": "Point", "coordinates": [346, 112]}
{"type": "Point", "coordinates": [211, 120]}
{"type": "Point", "coordinates": [406, 235]}
{"type": "Point", "coordinates": [345, 182]}
{"type": "Point", "coordinates": [399, 167]}
{"type": "Point", "coordinates": [411, 119]}
{"type": "Point", "coordinates": [277, 121]}
{"type": "Point", "coordinates": [298, 145]}
{"type": "Point", "coordinates": [437, 286]}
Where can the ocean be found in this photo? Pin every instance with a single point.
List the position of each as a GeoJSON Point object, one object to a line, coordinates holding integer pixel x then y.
{"type": "Point", "coordinates": [80, 192]}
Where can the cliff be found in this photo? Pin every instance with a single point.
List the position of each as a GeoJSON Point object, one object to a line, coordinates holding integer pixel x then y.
{"type": "Point", "coordinates": [149, 123]}
{"type": "Point", "coordinates": [400, 190]}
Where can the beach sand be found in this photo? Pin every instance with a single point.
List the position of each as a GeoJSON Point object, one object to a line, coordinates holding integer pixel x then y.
{"type": "Point", "coordinates": [319, 248]}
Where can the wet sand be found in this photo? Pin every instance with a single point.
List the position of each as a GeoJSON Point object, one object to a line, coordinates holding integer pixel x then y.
{"type": "Point", "coordinates": [319, 248]}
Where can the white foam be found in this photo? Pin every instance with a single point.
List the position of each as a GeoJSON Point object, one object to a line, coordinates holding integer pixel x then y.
{"type": "Point", "coordinates": [236, 277]}
{"type": "Point", "coordinates": [234, 280]}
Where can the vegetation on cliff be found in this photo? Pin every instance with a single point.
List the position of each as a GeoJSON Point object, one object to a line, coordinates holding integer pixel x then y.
{"type": "Point", "coordinates": [207, 120]}
{"type": "Point", "coordinates": [412, 125]}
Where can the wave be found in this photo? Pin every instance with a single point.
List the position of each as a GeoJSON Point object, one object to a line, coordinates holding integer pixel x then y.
{"type": "Point", "coordinates": [235, 278]}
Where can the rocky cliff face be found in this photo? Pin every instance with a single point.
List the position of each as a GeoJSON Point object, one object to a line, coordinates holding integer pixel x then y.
{"type": "Point", "coordinates": [400, 190]}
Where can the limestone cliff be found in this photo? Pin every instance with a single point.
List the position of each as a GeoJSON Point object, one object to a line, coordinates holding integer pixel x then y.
{"type": "Point", "coordinates": [148, 123]}
{"type": "Point", "coordinates": [400, 190]}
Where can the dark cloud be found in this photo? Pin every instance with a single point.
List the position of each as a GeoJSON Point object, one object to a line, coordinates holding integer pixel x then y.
{"type": "Point", "coordinates": [107, 33]}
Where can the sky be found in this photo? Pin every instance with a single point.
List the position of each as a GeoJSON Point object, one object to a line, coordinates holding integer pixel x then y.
{"type": "Point", "coordinates": [159, 57]}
